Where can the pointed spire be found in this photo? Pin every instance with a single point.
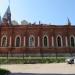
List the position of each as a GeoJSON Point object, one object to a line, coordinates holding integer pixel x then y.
{"type": "Point", "coordinates": [0, 20]}
{"type": "Point", "coordinates": [7, 15]}
{"type": "Point", "coordinates": [8, 10]}
{"type": "Point", "coordinates": [69, 23]}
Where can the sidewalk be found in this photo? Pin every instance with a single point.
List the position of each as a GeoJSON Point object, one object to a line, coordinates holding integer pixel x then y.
{"type": "Point", "coordinates": [40, 69]}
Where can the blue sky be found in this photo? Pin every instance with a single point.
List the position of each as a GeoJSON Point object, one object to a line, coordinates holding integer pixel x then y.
{"type": "Point", "coordinates": [47, 11]}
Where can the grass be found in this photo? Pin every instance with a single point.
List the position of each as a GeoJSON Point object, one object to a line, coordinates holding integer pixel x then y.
{"type": "Point", "coordinates": [30, 60]}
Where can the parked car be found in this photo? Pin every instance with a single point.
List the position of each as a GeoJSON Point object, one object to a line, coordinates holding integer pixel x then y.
{"type": "Point", "coordinates": [70, 60]}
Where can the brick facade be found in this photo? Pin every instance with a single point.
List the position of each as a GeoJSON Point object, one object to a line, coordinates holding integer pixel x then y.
{"type": "Point", "coordinates": [24, 31]}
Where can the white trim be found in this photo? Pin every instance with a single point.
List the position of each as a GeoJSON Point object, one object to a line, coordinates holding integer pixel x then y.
{"type": "Point", "coordinates": [70, 40]}
{"type": "Point", "coordinates": [61, 40]}
{"type": "Point", "coordinates": [10, 42]}
{"type": "Point", "coordinates": [47, 41]}
{"type": "Point", "coordinates": [2, 40]}
{"type": "Point", "coordinates": [33, 46]}
{"type": "Point", "coordinates": [24, 41]}
{"type": "Point", "coordinates": [38, 41]}
{"type": "Point", "coordinates": [20, 40]}
{"type": "Point", "coordinates": [52, 41]}
{"type": "Point", "coordinates": [66, 41]}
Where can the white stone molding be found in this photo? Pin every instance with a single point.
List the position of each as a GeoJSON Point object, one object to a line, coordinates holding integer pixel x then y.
{"type": "Point", "coordinates": [31, 44]}
{"type": "Point", "coordinates": [52, 41]}
{"type": "Point", "coordinates": [66, 41]}
{"type": "Point", "coordinates": [73, 38]}
{"type": "Point", "coordinates": [10, 43]}
{"type": "Point", "coordinates": [61, 40]}
{"type": "Point", "coordinates": [24, 41]}
{"type": "Point", "coordinates": [4, 36]}
{"type": "Point", "coordinates": [20, 40]}
{"type": "Point", "coordinates": [47, 41]}
{"type": "Point", "coordinates": [38, 41]}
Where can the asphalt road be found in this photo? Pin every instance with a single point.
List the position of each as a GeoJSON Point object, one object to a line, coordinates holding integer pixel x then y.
{"type": "Point", "coordinates": [37, 74]}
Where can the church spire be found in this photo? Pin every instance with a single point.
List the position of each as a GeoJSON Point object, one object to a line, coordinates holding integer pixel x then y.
{"type": "Point", "coordinates": [69, 23]}
{"type": "Point", "coordinates": [7, 15]}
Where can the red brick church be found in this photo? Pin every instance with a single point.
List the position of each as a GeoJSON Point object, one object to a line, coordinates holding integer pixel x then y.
{"type": "Point", "coordinates": [35, 39]}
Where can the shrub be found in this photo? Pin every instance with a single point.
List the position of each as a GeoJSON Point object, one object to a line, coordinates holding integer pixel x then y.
{"type": "Point", "coordinates": [4, 72]}
{"type": "Point", "coordinates": [32, 60]}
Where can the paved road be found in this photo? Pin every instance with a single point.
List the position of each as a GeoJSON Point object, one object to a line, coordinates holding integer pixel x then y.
{"type": "Point", "coordinates": [41, 69]}
{"type": "Point", "coordinates": [38, 74]}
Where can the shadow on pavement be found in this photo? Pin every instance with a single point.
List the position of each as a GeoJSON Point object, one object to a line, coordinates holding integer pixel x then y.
{"type": "Point", "coordinates": [37, 74]}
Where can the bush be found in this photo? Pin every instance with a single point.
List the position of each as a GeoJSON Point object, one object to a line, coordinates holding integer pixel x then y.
{"type": "Point", "coordinates": [32, 60]}
{"type": "Point", "coordinates": [4, 72]}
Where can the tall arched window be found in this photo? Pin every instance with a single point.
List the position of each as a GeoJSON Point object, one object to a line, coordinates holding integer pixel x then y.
{"type": "Point", "coordinates": [31, 41]}
{"type": "Point", "coordinates": [4, 41]}
{"type": "Point", "coordinates": [45, 41]}
{"type": "Point", "coordinates": [59, 41]}
{"type": "Point", "coordinates": [17, 41]}
{"type": "Point", "coordinates": [72, 43]}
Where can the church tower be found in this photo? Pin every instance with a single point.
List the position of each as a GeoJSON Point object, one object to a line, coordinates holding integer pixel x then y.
{"type": "Point", "coordinates": [7, 16]}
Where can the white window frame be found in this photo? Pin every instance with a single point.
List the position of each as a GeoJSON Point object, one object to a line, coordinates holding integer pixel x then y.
{"type": "Point", "coordinates": [73, 38]}
{"type": "Point", "coordinates": [33, 42]}
{"type": "Point", "coordinates": [2, 40]}
{"type": "Point", "coordinates": [61, 41]}
{"type": "Point", "coordinates": [20, 40]}
{"type": "Point", "coordinates": [47, 41]}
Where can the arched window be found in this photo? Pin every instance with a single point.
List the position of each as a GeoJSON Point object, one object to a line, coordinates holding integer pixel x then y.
{"type": "Point", "coordinates": [31, 41]}
{"type": "Point", "coordinates": [45, 41]}
{"type": "Point", "coordinates": [72, 42]}
{"type": "Point", "coordinates": [59, 41]}
{"type": "Point", "coordinates": [4, 41]}
{"type": "Point", "coordinates": [17, 41]}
